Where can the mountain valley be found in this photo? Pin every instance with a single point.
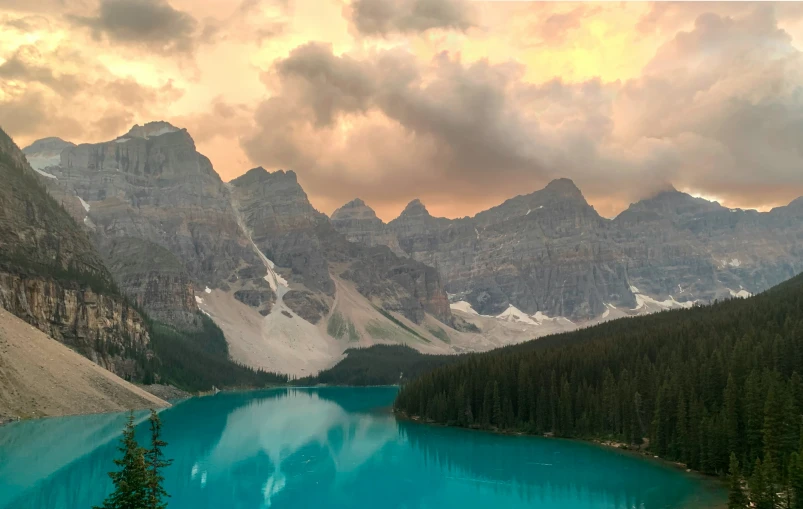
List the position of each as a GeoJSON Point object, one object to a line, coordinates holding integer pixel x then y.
{"type": "Point", "coordinates": [292, 289]}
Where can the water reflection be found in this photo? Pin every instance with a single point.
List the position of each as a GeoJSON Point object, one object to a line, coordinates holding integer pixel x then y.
{"type": "Point", "coordinates": [324, 448]}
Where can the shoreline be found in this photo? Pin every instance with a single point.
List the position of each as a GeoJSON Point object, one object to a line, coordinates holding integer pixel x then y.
{"type": "Point", "coordinates": [707, 480]}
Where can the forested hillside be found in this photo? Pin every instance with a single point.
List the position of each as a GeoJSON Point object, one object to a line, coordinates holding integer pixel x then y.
{"type": "Point", "coordinates": [691, 385]}
{"type": "Point", "coordinates": [379, 365]}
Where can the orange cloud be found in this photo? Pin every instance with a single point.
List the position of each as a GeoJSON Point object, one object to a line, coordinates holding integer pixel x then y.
{"type": "Point", "coordinates": [462, 104]}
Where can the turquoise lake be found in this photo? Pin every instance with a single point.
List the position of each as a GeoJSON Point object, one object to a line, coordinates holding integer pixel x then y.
{"type": "Point", "coordinates": [331, 448]}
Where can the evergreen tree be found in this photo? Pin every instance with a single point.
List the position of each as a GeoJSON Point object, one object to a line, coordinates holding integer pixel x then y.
{"type": "Point", "coordinates": [796, 480]}
{"type": "Point", "coordinates": [131, 481]}
{"type": "Point", "coordinates": [156, 463]}
{"type": "Point", "coordinates": [736, 495]}
{"type": "Point", "coordinates": [497, 407]}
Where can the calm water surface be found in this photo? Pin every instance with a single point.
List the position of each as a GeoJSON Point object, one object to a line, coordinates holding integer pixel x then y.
{"type": "Point", "coordinates": [330, 448]}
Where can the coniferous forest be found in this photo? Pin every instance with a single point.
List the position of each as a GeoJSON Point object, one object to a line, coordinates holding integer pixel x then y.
{"type": "Point", "coordinates": [718, 388]}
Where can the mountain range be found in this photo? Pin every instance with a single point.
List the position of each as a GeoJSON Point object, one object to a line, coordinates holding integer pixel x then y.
{"type": "Point", "coordinates": [550, 252]}
{"type": "Point", "coordinates": [292, 289]}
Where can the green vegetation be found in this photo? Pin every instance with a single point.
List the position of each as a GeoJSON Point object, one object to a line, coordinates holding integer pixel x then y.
{"type": "Point", "coordinates": [138, 483]}
{"type": "Point", "coordinates": [197, 361]}
{"type": "Point", "coordinates": [377, 330]}
{"type": "Point", "coordinates": [697, 384]}
{"type": "Point", "coordinates": [338, 327]}
{"type": "Point", "coordinates": [398, 322]}
{"type": "Point", "coordinates": [354, 336]}
{"type": "Point", "coordinates": [439, 333]}
{"type": "Point", "coordinates": [379, 365]}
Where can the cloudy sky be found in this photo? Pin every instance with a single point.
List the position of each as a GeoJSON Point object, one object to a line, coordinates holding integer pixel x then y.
{"type": "Point", "coordinates": [459, 103]}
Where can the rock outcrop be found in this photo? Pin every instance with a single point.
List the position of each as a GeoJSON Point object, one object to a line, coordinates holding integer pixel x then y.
{"type": "Point", "coordinates": [104, 328]}
{"type": "Point", "coordinates": [363, 227]}
{"type": "Point", "coordinates": [153, 278]}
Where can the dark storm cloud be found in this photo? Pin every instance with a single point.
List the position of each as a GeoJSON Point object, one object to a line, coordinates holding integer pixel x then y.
{"type": "Point", "coordinates": [383, 17]}
{"type": "Point", "coordinates": [153, 24]}
{"type": "Point", "coordinates": [718, 110]}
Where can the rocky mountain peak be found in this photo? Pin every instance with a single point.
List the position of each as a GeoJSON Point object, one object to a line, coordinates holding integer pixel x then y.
{"type": "Point", "coordinates": [355, 203]}
{"type": "Point", "coordinates": [673, 201]}
{"type": "Point", "coordinates": [564, 187]}
{"type": "Point", "coordinates": [797, 203]}
{"type": "Point", "coordinates": [45, 152]}
{"type": "Point", "coordinates": [355, 209]}
{"type": "Point", "coordinates": [415, 208]}
{"type": "Point", "coordinates": [261, 175]}
{"type": "Point", "coordinates": [151, 130]}
{"type": "Point", "coordinates": [51, 144]}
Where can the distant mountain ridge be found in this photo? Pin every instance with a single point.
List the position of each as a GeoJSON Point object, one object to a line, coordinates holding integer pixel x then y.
{"type": "Point", "coordinates": [550, 252]}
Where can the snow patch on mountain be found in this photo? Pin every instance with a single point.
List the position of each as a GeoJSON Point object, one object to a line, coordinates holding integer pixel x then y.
{"type": "Point", "coordinates": [463, 306]}
{"type": "Point", "coordinates": [514, 314]}
{"type": "Point", "coordinates": [39, 162]}
{"type": "Point", "coordinates": [645, 300]}
{"type": "Point", "coordinates": [45, 174]}
{"type": "Point", "coordinates": [741, 294]}
{"type": "Point", "coordinates": [85, 204]}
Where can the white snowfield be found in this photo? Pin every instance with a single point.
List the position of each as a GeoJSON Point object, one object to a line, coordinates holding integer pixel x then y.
{"type": "Point", "coordinates": [42, 161]}
{"type": "Point", "coordinates": [45, 174]}
{"type": "Point", "coordinates": [85, 204]}
{"type": "Point", "coordinates": [741, 294]}
{"type": "Point", "coordinates": [649, 304]}
{"type": "Point", "coordinates": [514, 314]}
{"type": "Point", "coordinates": [463, 306]}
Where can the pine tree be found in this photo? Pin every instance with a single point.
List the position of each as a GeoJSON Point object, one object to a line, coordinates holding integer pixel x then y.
{"type": "Point", "coordinates": [156, 462]}
{"type": "Point", "coordinates": [796, 480]}
{"type": "Point", "coordinates": [131, 481]}
{"type": "Point", "coordinates": [736, 496]}
{"type": "Point", "coordinates": [758, 488]}
{"type": "Point", "coordinates": [497, 407]}
{"type": "Point", "coordinates": [487, 405]}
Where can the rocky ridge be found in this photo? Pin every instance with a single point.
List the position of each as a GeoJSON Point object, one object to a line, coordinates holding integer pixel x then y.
{"type": "Point", "coordinates": [549, 252]}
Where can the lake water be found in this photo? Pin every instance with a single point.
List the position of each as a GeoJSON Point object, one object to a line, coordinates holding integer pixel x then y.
{"type": "Point", "coordinates": [331, 448]}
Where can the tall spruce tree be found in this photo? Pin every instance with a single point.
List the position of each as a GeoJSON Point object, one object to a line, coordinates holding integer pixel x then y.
{"type": "Point", "coordinates": [156, 463]}
{"type": "Point", "coordinates": [131, 481]}
{"type": "Point", "coordinates": [736, 496]}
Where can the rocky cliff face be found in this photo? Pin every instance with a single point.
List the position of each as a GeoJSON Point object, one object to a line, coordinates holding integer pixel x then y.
{"type": "Point", "coordinates": [103, 328]}
{"type": "Point", "coordinates": [151, 185]}
{"type": "Point", "coordinates": [550, 252]}
{"type": "Point", "coordinates": [290, 232]}
{"type": "Point", "coordinates": [154, 279]}
{"type": "Point", "coordinates": [52, 277]}
{"type": "Point", "coordinates": [694, 249]}
{"type": "Point", "coordinates": [361, 225]}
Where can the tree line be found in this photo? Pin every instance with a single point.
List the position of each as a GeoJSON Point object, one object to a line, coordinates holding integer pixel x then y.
{"type": "Point", "coordinates": [718, 388]}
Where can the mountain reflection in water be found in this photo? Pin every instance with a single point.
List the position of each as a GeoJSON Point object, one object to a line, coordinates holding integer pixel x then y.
{"type": "Point", "coordinates": [329, 447]}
